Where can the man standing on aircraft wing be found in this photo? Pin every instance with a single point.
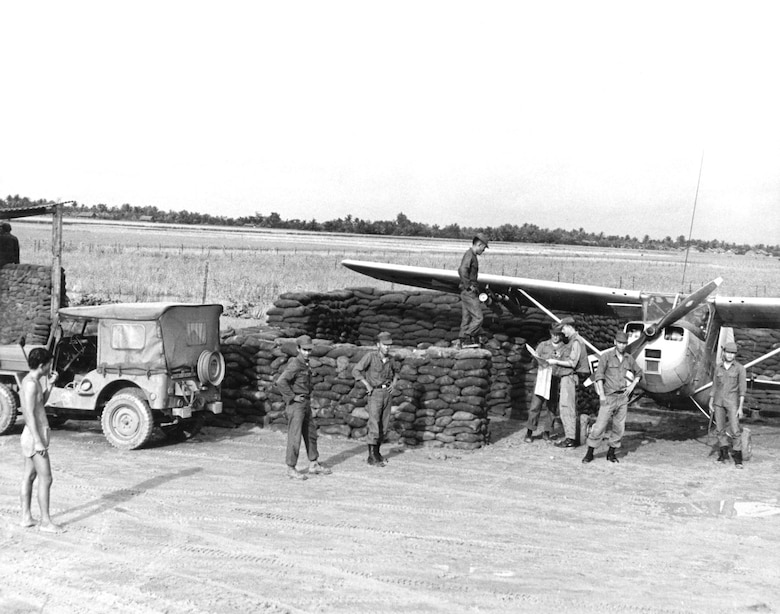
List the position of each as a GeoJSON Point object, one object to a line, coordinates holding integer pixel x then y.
{"type": "Point", "coordinates": [729, 385]}
{"type": "Point", "coordinates": [572, 365]}
{"type": "Point", "coordinates": [471, 320]}
{"type": "Point", "coordinates": [616, 377]}
{"type": "Point", "coordinates": [546, 390]}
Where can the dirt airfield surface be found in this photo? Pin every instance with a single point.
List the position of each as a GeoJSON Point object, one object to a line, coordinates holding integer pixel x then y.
{"type": "Point", "coordinates": [213, 525]}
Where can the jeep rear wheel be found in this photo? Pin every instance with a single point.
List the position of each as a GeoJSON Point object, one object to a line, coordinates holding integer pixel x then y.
{"type": "Point", "coordinates": [8, 409]}
{"type": "Point", "coordinates": [127, 420]}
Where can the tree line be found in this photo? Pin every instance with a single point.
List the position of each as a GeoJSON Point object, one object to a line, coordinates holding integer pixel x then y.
{"type": "Point", "coordinates": [400, 226]}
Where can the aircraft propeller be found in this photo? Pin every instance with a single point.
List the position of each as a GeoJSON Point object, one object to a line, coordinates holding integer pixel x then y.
{"type": "Point", "coordinates": [687, 305]}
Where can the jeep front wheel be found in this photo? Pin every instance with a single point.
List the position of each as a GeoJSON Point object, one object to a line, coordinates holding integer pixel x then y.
{"type": "Point", "coordinates": [127, 420]}
{"type": "Point", "coordinates": [8, 409]}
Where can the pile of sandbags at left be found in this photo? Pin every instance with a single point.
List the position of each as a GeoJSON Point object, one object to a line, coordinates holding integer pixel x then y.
{"type": "Point", "coordinates": [25, 303]}
{"type": "Point", "coordinates": [441, 396]}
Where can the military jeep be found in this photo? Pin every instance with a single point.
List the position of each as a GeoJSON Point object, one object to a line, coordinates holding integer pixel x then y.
{"type": "Point", "coordinates": [134, 366]}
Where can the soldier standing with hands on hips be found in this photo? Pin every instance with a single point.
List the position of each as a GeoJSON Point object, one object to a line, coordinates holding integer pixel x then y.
{"type": "Point", "coordinates": [378, 372]}
{"type": "Point", "coordinates": [616, 377]}
{"type": "Point", "coordinates": [729, 386]}
{"type": "Point", "coordinates": [295, 385]}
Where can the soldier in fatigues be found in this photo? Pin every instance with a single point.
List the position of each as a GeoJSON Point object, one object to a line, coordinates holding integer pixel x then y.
{"type": "Point", "coordinates": [616, 377]}
{"type": "Point", "coordinates": [573, 366]}
{"type": "Point", "coordinates": [543, 407]}
{"type": "Point", "coordinates": [471, 308]}
{"type": "Point", "coordinates": [378, 372]}
{"type": "Point", "coordinates": [729, 385]}
{"type": "Point", "coordinates": [295, 385]}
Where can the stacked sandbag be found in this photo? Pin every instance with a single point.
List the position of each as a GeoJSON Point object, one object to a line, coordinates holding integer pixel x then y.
{"type": "Point", "coordinates": [444, 398]}
{"type": "Point", "coordinates": [422, 318]}
{"type": "Point", "coordinates": [512, 376]}
{"type": "Point", "coordinates": [753, 343]}
{"type": "Point", "coordinates": [440, 400]}
{"type": "Point", "coordinates": [25, 303]}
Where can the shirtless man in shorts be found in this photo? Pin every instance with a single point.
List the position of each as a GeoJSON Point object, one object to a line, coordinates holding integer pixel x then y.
{"type": "Point", "coordinates": [35, 440]}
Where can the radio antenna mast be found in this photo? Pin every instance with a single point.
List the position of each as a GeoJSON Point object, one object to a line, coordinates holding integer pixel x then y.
{"type": "Point", "coordinates": [690, 231]}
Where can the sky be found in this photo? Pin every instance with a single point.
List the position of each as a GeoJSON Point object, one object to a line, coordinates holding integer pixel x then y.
{"type": "Point", "coordinates": [619, 117]}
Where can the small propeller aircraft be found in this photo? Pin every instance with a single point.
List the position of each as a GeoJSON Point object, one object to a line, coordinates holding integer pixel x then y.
{"type": "Point", "coordinates": [676, 339]}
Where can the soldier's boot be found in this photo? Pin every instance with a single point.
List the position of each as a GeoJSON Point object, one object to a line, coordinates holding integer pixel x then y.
{"type": "Point", "coordinates": [294, 474]}
{"type": "Point", "coordinates": [588, 455]}
{"type": "Point", "coordinates": [723, 455]}
{"type": "Point", "coordinates": [737, 454]}
{"type": "Point", "coordinates": [380, 460]}
{"type": "Point", "coordinates": [611, 456]}
{"type": "Point", "coordinates": [529, 436]}
{"type": "Point", "coordinates": [371, 460]}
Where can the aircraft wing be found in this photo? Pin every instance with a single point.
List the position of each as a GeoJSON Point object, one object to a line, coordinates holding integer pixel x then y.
{"type": "Point", "coordinates": [553, 294]}
{"type": "Point", "coordinates": [748, 312]}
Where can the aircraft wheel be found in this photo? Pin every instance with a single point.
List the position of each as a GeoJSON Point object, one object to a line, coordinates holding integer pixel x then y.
{"type": "Point", "coordinates": [8, 409]}
{"type": "Point", "coordinates": [127, 420]}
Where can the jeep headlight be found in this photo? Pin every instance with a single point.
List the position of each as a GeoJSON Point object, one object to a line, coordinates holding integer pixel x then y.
{"type": "Point", "coordinates": [211, 368]}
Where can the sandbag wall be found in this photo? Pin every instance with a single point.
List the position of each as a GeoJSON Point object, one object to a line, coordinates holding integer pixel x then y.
{"type": "Point", "coordinates": [25, 303]}
{"type": "Point", "coordinates": [419, 318]}
{"type": "Point", "coordinates": [441, 399]}
{"type": "Point", "coordinates": [754, 342]}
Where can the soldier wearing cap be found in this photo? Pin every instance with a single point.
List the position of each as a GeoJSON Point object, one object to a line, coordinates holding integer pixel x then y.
{"type": "Point", "coordinates": [468, 271]}
{"type": "Point", "coordinates": [574, 366]}
{"type": "Point", "coordinates": [378, 372]}
{"type": "Point", "coordinates": [295, 385]}
{"type": "Point", "coordinates": [616, 377]}
{"type": "Point", "coordinates": [9, 245]}
{"type": "Point", "coordinates": [729, 385]}
{"type": "Point", "coordinates": [545, 397]}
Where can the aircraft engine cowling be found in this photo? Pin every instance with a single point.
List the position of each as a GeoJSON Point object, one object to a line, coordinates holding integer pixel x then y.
{"type": "Point", "coordinates": [669, 361]}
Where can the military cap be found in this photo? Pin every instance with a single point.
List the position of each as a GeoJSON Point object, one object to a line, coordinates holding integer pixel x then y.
{"type": "Point", "coordinates": [385, 338]}
{"type": "Point", "coordinates": [480, 237]}
{"type": "Point", "coordinates": [567, 320]}
{"type": "Point", "coordinates": [621, 337]}
{"type": "Point", "coordinates": [730, 346]}
{"type": "Point", "coordinates": [556, 329]}
{"type": "Point", "coordinates": [304, 342]}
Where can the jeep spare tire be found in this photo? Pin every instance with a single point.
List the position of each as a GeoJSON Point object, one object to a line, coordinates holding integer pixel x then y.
{"type": "Point", "coordinates": [127, 420]}
{"type": "Point", "coordinates": [211, 368]}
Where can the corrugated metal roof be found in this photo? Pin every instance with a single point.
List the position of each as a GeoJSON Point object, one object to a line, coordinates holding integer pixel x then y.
{"type": "Point", "coordinates": [13, 211]}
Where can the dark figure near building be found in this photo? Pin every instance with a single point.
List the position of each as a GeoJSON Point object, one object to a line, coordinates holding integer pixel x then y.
{"type": "Point", "coordinates": [9, 245]}
{"type": "Point", "coordinates": [471, 320]}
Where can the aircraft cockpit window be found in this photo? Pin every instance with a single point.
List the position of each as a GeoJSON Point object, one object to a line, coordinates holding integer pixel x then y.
{"type": "Point", "coordinates": [633, 330]}
{"type": "Point", "coordinates": [673, 333]}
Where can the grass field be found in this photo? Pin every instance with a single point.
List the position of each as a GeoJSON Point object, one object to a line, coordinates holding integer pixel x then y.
{"type": "Point", "coordinates": [250, 267]}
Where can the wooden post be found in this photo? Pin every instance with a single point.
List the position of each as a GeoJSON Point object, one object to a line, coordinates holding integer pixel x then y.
{"type": "Point", "coordinates": [56, 260]}
{"type": "Point", "coordinates": [205, 283]}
